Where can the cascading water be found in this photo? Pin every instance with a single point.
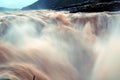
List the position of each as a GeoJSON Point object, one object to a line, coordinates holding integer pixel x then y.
{"type": "Point", "coordinates": [49, 45]}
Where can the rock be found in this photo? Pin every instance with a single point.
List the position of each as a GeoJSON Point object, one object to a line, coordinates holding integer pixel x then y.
{"type": "Point", "coordinates": [77, 5]}
{"type": "Point", "coordinates": [92, 7]}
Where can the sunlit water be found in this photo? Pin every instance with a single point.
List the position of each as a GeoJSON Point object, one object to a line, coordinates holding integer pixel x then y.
{"type": "Point", "coordinates": [49, 45]}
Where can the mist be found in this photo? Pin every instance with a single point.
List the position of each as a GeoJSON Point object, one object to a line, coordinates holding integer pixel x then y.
{"type": "Point", "coordinates": [51, 45]}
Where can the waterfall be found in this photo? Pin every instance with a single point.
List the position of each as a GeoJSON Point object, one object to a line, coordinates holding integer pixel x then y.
{"type": "Point", "coordinates": [51, 45]}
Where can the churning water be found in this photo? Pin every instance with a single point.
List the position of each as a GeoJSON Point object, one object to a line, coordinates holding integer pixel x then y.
{"type": "Point", "coordinates": [50, 45]}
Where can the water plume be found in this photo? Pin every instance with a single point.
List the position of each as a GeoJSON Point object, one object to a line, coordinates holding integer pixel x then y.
{"type": "Point", "coordinates": [50, 45]}
{"type": "Point", "coordinates": [107, 63]}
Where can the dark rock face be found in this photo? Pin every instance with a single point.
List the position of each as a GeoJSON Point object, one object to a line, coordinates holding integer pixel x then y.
{"type": "Point", "coordinates": [93, 6]}
{"type": "Point", "coordinates": [103, 0]}
{"type": "Point", "coordinates": [77, 5]}
{"type": "Point", "coordinates": [45, 4]}
{"type": "Point", "coordinates": [51, 4]}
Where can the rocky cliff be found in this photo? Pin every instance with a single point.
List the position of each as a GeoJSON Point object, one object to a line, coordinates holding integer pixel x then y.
{"type": "Point", "coordinates": [77, 5]}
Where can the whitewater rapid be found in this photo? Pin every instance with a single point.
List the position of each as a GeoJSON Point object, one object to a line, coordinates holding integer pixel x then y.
{"type": "Point", "coordinates": [51, 45]}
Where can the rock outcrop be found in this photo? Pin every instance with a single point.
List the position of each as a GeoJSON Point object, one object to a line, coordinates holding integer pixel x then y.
{"type": "Point", "coordinates": [77, 5]}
